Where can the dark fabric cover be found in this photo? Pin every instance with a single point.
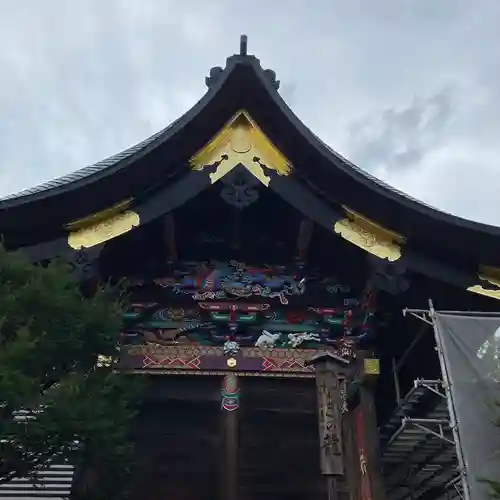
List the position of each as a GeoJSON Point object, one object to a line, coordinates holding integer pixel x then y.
{"type": "Point", "coordinates": [471, 353]}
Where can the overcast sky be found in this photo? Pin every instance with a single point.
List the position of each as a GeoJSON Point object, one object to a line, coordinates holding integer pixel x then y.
{"type": "Point", "coordinates": [407, 89]}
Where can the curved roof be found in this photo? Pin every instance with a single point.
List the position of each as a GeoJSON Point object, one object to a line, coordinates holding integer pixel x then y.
{"type": "Point", "coordinates": [87, 171]}
{"type": "Point", "coordinates": [244, 84]}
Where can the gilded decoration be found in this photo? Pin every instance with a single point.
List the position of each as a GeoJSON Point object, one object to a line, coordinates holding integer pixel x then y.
{"type": "Point", "coordinates": [241, 142]}
{"type": "Point", "coordinates": [369, 236]}
{"type": "Point", "coordinates": [100, 216]}
{"type": "Point", "coordinates": [101, 230]}
{"type": "Point", "coordinates": [371, 366]}
{"type": "Point", "coordinates": [490, 287]}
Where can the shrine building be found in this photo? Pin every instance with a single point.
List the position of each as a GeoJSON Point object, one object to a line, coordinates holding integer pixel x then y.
{"type": "Point", "coordinates": [268, 277]}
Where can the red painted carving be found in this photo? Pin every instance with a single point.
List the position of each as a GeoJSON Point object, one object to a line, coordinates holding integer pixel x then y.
{"type": "Point", "coordinates": [169, 362]}
{"type": "Point", "coordinates": [285, 365]}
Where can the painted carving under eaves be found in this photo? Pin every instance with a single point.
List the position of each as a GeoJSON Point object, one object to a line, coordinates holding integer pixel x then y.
{"type": "Point", "coordinates": [234, 305]}
{"type": "Point", "coordinates": [231, 280]}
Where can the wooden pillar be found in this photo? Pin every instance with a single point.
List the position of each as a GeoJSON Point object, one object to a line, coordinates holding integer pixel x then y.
{"type": "Point", "coordinates": [372, 484]}
{"type": "Point", "coordinates": [329, 380]}
{"type": "Point", "coordinates": [306, 229]}
{"type": "Point", "coordinates": [230, 402]}
{"type": "Point", "coordinates": [351, 459]}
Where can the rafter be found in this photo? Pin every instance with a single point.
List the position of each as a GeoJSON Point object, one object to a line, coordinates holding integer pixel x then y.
{"type": "Point", "coordinates": [306, 228]}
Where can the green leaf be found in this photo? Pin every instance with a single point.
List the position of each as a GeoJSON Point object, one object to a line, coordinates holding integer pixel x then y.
{"type": "Point", "coordinates": [51, 336]}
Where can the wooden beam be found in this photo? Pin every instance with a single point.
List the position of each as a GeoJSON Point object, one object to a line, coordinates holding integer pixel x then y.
{"type": "Point", "coordinates": [366, 424]}
{"type": "Point", "coordinates": [236, 228]}
{"type": "Point", "coordinates": [351, 458]}
{"type": "Point", "coordinates": [330, 382]}
{"type": "Point", "coordinates": [306, 228]}
{"type": "Point", "coordinates": [293, 411]}
{"type": "Point", "coordinates": [229, 427]}
{"type": "Point", "coordinates": [170, 238]}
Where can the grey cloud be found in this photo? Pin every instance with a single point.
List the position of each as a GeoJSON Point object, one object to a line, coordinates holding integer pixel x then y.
{"type": "Point", "coordinates": [400, 138]}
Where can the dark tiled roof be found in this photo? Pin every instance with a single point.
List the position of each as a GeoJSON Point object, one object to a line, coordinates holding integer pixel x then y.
{"type": "Point", "coordinates": [214, 82]}
{"type": "Point", "coordinates": [216, 74]}
{"type": "Point", "coordinates": [91, 169]}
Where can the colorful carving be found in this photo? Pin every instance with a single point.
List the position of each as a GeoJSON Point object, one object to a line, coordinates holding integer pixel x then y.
{"type": "Point", "coordinates": [233, 312]}
{"type": "Point", "coordinates": [155, 360]}
{"type": "Point", "coordinates": [297, 339]}
{"type": "Point", "coordinates": [250, 306]}
{"type": "Point", "coordinates": [161, 337]}
{"type": "Point", "coordinates": [273, 329]}
{"type": "Point", "coordinates": [230, 393]}
{"type": "Point", "coordinates": [231, 348]}
{"type": "Point", "coordinates": [235, 280]}
{"type": "Point", "coordinates": [202, 359]}
{"type": "Point", "coordinates": [267, 340]}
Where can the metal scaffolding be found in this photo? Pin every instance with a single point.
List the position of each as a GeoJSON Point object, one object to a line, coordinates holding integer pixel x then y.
{"type": "Point", "coordinates": [419, 455]}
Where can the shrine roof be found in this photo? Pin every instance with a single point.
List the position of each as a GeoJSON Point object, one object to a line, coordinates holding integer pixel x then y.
{"type": "Point", "coordinates": [243, 84]}
{"type": "Point", "coordinates": [85, 172]}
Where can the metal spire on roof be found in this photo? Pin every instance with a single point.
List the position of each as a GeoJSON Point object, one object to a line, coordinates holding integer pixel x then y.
{"type": "Point", "coordinates": [243, 45]}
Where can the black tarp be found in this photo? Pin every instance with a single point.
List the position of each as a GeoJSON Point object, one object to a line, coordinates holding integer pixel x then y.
{"type": "Point", "coordinates": [471, 357]}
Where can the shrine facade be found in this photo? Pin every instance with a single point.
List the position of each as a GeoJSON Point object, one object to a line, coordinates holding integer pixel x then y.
{"type": "Point", "coordinates": [267, 277]}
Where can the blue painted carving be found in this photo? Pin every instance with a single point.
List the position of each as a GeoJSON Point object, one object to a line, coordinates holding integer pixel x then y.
{"type": "Point", "coordinates": [217, 302]}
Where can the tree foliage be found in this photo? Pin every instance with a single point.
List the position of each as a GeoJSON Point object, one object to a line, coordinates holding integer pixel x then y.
{"type": "Point", "coordinates": [73, 410]}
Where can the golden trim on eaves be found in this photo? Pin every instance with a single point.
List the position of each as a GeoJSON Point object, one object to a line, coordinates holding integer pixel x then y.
{"type": "Point", "coordinates": [370, 236]}
{"type": "Point", "coordinates": [490, 275]}
{"type": "Point", "coordinates": [240, 142]}
{"type": "Point", "coordinates": [102, 226]}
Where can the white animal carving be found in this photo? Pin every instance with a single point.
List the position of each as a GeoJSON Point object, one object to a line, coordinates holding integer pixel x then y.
{"type": "Point", "coordinates": [267, 339]}
{"type": "Point", "coordinates": [231, 348]}
{"type": "Point", "coordinates": [296, 339]}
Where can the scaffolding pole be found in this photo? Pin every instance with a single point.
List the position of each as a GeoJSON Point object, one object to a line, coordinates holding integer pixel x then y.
{"type": "Point", "coordinates": [425, 316]}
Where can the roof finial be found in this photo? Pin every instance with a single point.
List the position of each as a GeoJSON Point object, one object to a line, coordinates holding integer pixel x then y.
{"type": "Point", "coordinates": [243, 45]}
